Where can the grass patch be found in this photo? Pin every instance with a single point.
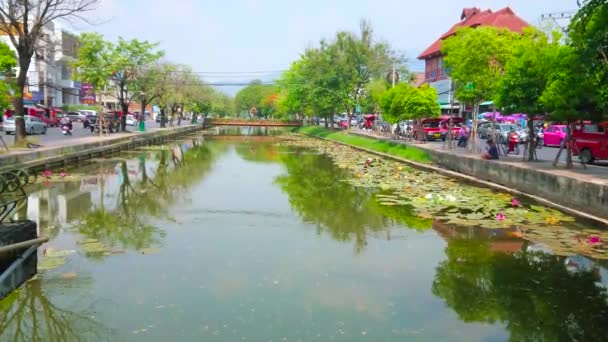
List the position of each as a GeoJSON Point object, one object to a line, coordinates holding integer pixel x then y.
{"type": "Point", "coordinates": [378, 145]}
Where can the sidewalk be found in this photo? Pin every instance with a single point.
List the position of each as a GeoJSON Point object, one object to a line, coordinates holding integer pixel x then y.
{"type": "Point", "coordinates": [67, 147]}
{"type": "Point", "coordinates": [585, 190]}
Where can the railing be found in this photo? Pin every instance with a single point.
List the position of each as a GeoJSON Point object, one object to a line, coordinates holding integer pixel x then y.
{"type": "Point", "coordinates": [252, 122]}
{"type": "Point", "coordinates": [12, 192]}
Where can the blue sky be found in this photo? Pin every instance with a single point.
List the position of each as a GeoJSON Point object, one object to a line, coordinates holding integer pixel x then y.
{"type": "Point", "coordinates": [260, 35]}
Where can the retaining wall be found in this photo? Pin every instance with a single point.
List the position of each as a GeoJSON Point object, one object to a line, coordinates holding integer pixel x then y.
{"type": "Point", "coordinates": [62, 155]}
{"type": "Point", "coordinates": [580, 194]}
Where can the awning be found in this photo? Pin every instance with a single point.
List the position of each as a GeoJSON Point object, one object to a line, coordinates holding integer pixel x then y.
{"type": "Point", "coordinates": [487, 103]}
{"type": "Point", "coordinates": [447, 106]}
{"type": "Point", "coordinates": [41, 106]}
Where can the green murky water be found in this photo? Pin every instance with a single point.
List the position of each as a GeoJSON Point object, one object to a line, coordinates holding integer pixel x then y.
{"type": "Point", "coordinates": [244, 239]}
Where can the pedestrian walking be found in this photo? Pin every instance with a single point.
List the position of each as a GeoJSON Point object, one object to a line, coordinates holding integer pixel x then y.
{"type": "Point", "coordinates": [463, 136]}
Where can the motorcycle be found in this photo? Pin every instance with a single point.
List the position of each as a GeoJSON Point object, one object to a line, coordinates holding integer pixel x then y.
{"type": "Point", "coordinates": [66, 129]}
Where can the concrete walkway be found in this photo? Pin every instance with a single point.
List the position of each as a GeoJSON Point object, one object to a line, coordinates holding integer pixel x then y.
{"type": "Point", "coordinates": [66, 146]}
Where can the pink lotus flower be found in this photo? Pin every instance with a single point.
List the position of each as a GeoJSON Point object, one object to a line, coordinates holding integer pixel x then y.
{"type": "Point", "coordinates": [594, 240]}
{"type": "Point", "coordinates": [515, 202]}
{"type": "Point", "coordinates": [500, 217]}
{"type": "Point", "coordinates": [63, 174]}
{"type": "Point", "coordinates": [47, 173]}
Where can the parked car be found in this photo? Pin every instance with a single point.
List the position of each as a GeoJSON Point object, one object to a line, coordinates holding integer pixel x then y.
{"type": "Point", "coordinates": [86, 112]}
{"type": "Point", "coordinates": [432, 129]}
{"type": "Point", "coordinates": [33, 125]}
{"type": "Point", "coordinates": [590, 141]}
{"type": "Point", "coordinates": [131, 120]}
{"type": "Point", "coordinates": [76, 116]}
{"type": "Point", "coordinates": [554, 135]}
{"type": "Point", "coordinates": [502, 129]}
{"type": "Point", "coordinates": [484, 128]}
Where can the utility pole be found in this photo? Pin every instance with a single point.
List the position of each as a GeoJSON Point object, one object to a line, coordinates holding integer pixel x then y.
{"type": "Point", "coordinates": [394, 73]}
{"type": "Point", "coordinates": [559, 19]}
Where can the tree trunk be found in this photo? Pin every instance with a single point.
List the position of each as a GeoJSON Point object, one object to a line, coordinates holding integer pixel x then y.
{"type": "Point", "coordinates": [473, 144]}
{"type": "Point", "coordinates": [24, 64]}
{"type": "Point", "coordinates": [568, 145]}
{"type": "Point", "coordinates": [162, 117]}
{"type": "Point", "coordinates": [123, 119]}
{"type": "Point", "coordinates": [531, 138]}
{"type": "Point", "coordinates": [142, 114]}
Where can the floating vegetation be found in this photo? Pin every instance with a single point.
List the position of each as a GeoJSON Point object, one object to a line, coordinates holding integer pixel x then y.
{"type": "Point", "coordinates": [55, 253]}
{"type": "Point", "coordinates": [49, 263]}
{"type": "Point", "coordinates": [93, 246]}
{"type": "Point", "coordinates": [433, 196]}
{"type": "Point", "coordinates": [154, 148]}
{"type": "Point", "coordinates": [52, 258]}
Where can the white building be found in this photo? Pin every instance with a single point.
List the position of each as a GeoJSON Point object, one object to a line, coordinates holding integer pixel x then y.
{"type": "Point", "coordinates": [49, 78]}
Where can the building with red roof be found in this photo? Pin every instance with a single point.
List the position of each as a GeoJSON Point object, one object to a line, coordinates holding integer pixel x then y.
{"type": "Point", "coordinates": [435, 72]}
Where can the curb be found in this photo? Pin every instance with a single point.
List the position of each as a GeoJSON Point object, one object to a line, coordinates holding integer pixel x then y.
{"type": "Point", "coordinates": [483, 183]}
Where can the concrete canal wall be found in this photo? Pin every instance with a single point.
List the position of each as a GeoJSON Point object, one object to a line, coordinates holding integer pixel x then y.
{"type": "Point", "coordinates": [43, 158]}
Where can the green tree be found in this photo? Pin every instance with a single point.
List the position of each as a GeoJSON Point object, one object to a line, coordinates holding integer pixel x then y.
{"type": "Point", "coordinates": [25, 22]}
{"type": "Point", "coordinates": [7, 70]}
{"type": "Point", "coordinates": [525, 78]}
{"type": "Point", "coordinates": [120, 65]}
{"type": "Point", "coordinates": [476, 58]}
{"type": "Point", "coordinates": [570, 95]}
{"type": "Point", "coordinates": [128, 60]}
{"type": "Point", "coordinates": [251, 98]}
{"type": "Point", "coordinates": [404, 102]}
{"type": "Point", "coordinates": [588, 34]}
{"type": "Point", "coordinates": [333, 76]}
{"type": "Point", "coordinates": [92, 65]}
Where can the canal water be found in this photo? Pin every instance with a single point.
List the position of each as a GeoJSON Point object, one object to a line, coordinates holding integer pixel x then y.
{"type": "Point", "coordinates": [251, 239]}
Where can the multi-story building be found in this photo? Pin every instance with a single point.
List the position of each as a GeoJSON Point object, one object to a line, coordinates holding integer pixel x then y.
{"type": "Point", "coordinates": [435, 71]}
{"type": "Point", "coordinates": [66, 90]}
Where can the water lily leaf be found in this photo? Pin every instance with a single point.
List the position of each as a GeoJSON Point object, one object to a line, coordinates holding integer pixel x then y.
{"type": "Point", "coordinates": [52, 252]}
{"type": "Point", "coordinates": [49, 263]}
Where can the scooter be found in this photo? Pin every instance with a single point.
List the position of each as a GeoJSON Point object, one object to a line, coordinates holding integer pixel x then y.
{"type": "Point", "coordinates": [66, 129]}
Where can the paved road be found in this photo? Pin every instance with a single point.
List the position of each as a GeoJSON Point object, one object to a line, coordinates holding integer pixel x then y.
{"type": "Point", "coordinates": [54, 135]}
{"type": "Point", "coordinates": [544, 153]}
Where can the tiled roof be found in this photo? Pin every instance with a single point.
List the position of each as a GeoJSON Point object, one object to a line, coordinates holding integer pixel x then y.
{"type": "Point", "coordinates": [472, 17]}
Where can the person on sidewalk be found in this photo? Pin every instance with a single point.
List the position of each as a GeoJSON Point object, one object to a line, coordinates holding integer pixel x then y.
{"type": "Point", "coordinates": [513, 140]}
{"type": "Point", "coordinates": [491, 152]}
{"type": "Point", "coordinates": [463, 136]}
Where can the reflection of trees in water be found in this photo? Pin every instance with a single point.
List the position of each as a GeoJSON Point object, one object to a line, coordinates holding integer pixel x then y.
{"type": "Point", "coordinates": [532, 292]}
{"type": "Point", "coordinates": [28, 315]}
{"type": "Point", "coordinates": [127, 224]}
{"type": "Point", "coordinates": [315, 192]}
{"type": "Point", "coordinates": [258, 152]}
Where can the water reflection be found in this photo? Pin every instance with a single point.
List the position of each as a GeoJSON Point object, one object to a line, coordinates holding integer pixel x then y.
{"type": "Point", "coordinates": [251, 269]}
{"type": "Point", "coordinates": [29, 314]}
{"type": "Point", "coordinates": [315, 192]}
{"type": "Point", "coordinates": [532, 292]}
{"type": "Point", "coordinates": [144, 201]}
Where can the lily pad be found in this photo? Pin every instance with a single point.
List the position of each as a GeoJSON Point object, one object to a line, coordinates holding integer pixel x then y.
{"type": "Point", "coordinates": [48, 263]}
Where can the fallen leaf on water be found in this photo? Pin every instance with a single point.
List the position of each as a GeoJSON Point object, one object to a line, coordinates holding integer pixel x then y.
{"type": "Point", "coordinates": [149, 250]}
{"type": "Point", "coordinates": [69, 275]}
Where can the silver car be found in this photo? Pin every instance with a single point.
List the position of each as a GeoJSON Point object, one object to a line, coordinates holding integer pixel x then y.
{"type": "Point", "coordinates": [33, 125]}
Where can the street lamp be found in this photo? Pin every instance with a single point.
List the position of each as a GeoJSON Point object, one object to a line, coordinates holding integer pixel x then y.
{"type": "Point", "coordinates": [142, 123]}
